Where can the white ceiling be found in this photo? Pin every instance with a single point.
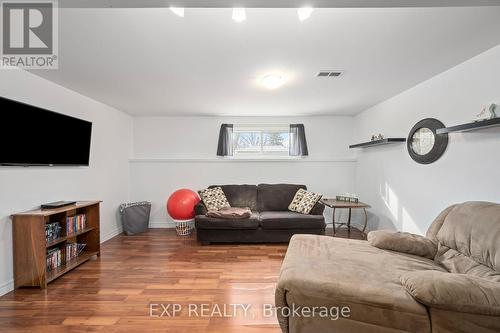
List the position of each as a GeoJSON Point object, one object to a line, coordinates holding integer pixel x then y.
{"type": "Point", "coordinates": [152, 62]}
{"type": "Point", "coordinates": [272, 3]}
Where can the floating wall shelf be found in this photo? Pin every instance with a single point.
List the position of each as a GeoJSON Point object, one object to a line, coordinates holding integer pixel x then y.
{"type": "Point", "coordinates": [470, 126]}
{"type": "Point", "coordinates": [385, 141]}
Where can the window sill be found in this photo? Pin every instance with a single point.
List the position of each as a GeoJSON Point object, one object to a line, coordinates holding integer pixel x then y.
{"type": "Point", "coordinates": [264, 157]}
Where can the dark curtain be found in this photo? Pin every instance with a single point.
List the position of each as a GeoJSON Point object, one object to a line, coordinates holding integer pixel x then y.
{"type": "Point", "coordinates": [298, 143]}
{"type": "Point", "coordinates": [225, 145]}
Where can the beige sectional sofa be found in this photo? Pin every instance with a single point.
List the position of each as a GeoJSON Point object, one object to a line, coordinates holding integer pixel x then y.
{"type": "Point", "coordinates": [448, 281]}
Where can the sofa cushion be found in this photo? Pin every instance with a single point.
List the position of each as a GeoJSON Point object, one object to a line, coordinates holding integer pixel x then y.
{"type": "Point", "coordinates": [402, 242]}
{"type": "Point", "coordinates": [327, 271]}
{"type": "Point", "coordinates": [205, 222]}
{"type": "Point", "coordinates": [276, 197]}
{"type": "Point", "coordinates": [291, 220]}
{"type": "Point", "coordinates": [240, 195]}
{"type": "Point", "coordinates": [456, 262]}
{"type": "Point", "coordinates": [454, 292]}
{"type": "Point", "coordinates": [472, 229]}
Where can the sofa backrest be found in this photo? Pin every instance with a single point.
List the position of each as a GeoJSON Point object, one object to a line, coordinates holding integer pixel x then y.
{"type": "Point", "coordinates": [468, 239]}
{"type": "Point", "coordinates": [276, 197]}
{"type": "Point", "coordinates": [240, 195]}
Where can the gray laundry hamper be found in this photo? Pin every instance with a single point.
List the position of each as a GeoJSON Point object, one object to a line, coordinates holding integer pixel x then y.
{"type": "Point", "coordinates": [135, 217]}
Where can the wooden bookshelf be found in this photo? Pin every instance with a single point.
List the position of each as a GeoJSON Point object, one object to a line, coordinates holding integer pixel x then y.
{"type": "Point", "coordinates": [30, 246]}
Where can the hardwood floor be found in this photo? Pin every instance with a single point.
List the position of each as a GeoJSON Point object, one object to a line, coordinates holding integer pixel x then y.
{"type": "Point", "coordinates": [118, 291]}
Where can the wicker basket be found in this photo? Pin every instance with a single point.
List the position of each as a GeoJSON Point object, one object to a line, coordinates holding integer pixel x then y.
{"type": "Point", "coordinates": [184, 227]}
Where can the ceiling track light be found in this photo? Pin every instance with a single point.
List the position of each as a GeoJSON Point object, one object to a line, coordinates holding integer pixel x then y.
{"type": "Point", "coordinates": [304, 13]}
{"type": "Point", "coordinates": [239, 14]}
{"type": "Point", "coordinates": [179, 11]}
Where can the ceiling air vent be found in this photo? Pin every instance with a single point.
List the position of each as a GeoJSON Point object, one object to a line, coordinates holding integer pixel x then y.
{"type": "Point", "coordinates": [329, 73]}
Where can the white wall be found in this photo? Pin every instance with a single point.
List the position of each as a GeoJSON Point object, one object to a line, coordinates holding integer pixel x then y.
{"type": "Point", "coordinates": [179, 152]}
{"type": "Point", "coordinates": [174, 152]}
{"type": "Point", "coordinates": [107, 177]}
{"type": "Point", "coordinates": [408, 196]}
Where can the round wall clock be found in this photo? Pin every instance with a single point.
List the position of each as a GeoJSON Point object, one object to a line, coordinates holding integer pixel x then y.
{"type": "Point", "coordinates": [424, 145]}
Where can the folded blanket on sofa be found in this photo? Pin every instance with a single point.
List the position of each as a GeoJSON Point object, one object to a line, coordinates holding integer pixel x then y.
{"type": "Point", "coordinates": [230, 213]}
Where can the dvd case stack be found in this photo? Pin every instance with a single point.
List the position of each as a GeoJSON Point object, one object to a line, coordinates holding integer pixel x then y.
{"type": "Point", "coordinates": [52, 231]}
{"type": "Point", "coordinates": [73, 250]}
{"type": "Point", "coordinates": [54, 259]}
{"type": "Point", "coordinates": [76, 223]}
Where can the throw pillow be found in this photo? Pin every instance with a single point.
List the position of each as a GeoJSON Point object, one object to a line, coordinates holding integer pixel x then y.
{"type": "Point", "coordinates": [214, 198]}
{"type": "Point", "coordinates": [304, 201]}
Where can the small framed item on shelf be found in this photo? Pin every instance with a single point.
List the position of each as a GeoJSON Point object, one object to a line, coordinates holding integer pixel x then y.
{"type": "Point", "coordinates": [347, 198]}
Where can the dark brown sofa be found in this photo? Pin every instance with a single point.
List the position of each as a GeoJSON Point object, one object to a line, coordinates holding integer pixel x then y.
{"type": "Point", "coordinates": [271, 221]}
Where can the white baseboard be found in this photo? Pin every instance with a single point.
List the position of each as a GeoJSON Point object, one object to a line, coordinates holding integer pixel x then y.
{"type": "Point", "coordinates": [114, 232]}
{"type": "Point", "coordinates": [171, 225]}
{"type": "Point", "coordinates": [161, 224]}
{"type": "Point", "coordinates": [6, 287]}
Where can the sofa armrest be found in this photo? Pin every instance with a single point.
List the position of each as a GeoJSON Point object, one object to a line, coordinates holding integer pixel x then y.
{"type": "Point", "coordinates": [317, 209]}
{"type": "Point", "coordinates": [280, 302]}
{"type": "Point", "coordinates": [200, 208]}
{"type": "Point", "coordinates": [403, 242]}
{"type": "Point", "coordinates": [454, 292]}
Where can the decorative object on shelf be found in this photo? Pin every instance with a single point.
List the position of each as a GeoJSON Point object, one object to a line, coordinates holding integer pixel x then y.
{"type": "Point", "coordinates": [487, 113]}
{"type": "Point", "coordinates": [377, 137]}
{"type": "Point", "coordinates": [180, 206]}
{"type": "Point", "coordinates": [348, 197]}
{"type": "Point", "coordinates": [372, 143]}
{"type": "Point", "coordinates": [424, 145]}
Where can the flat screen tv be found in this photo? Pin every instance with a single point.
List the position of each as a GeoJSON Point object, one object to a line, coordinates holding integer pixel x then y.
{"type": "Point", "coordinates": [31, 136]}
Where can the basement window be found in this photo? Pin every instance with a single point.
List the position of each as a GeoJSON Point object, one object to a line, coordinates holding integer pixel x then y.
{"type": "Point", "coordinates": [261, 140]}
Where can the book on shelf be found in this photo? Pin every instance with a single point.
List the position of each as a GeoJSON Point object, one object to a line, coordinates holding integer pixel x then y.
{"type": "Point", "coordinates": [73, 250]}
{"type": "Point", "coordinates": [52, 231]}
{"type": "Point", "coordinates": [76, 223]}
{"type": "Point", "coordinates": [54, 259]}
{"type": "Point", "coordinates": [57, 257]}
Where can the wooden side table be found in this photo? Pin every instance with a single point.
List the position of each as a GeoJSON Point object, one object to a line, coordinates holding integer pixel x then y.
{"type": "Point", "coordinates": [335, 204]}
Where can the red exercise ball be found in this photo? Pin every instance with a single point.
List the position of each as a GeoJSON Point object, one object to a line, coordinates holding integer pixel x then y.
{"type": "Point", "coordinates": [180, 205]}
